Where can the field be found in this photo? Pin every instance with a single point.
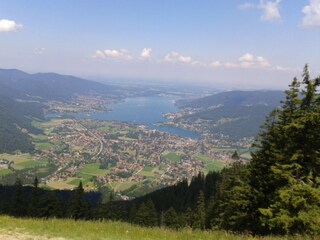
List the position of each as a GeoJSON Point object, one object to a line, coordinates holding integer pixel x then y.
{"type": "Point", "coordinates": [62, 184]}
{"type": "Point", "coordinates": [125, 185]}
{"type": "Point", "coordinates": [246, 156]}
{"type": "Point", "coordinates": [211, 165]}
{"type": "Point", "coordinates": [172, 157]}
{"type": "Point", "coordinates": [147, 172]}
{"type": "Point", "coordinates": [85, 175]}
{"type": "Point", "coordinates": [41, 141]}
{"type": "Point", "coordinates": [56, 229]}
{"type": "Point", "coordinates": [91, 170]}
{"type": "Point", "coordinates": [21, 161]}
{"type": "Point", "coordinates": [4, 171]}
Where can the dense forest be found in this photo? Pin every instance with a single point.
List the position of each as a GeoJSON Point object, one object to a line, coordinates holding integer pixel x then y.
{"type": "Point", "coordinates": [276, 193]}
{"type": "Point", "coordinates": [15, 123]}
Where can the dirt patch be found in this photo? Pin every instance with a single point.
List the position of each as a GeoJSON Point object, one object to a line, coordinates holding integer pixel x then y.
{"type": "Point", "coordinates": [13, 235]}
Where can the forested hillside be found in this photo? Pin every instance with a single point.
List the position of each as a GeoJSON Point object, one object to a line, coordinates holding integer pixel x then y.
{"type": "Point", "coordinates": [15, 121]}
{"type": "Point", "coordinates": [49, 86]}
{"type": "Point", "coordinates": [236, 98]}
{"type": "Point", "coordinates": [237, 114]}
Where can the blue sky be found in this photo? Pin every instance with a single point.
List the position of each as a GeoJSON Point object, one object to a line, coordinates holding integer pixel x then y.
{"type": "Point", "coordinates": [229, 43]}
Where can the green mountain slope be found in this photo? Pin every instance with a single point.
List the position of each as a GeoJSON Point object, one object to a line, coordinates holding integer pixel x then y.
{"type": "Point", "coordinates": [237, 114]}
{"type": "Point", "coordinates": [22, 96]}
{"type": "Point", "coordinates": [49, 86]}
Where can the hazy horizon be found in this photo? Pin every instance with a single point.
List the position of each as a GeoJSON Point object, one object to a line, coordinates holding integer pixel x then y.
{"type": "Point", "coordinates": [233, 45]}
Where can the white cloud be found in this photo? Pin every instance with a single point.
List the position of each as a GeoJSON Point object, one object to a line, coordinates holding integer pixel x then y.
{"type": "Point", "coordinates": [198, 63]}
{"type": "Point", "coordinates": [175, 57]}
{"type": "Point", "coordinates": [280, 68]}
{"type": "Point", "coordinates": [312, 14]}
{"type": "Point", "coordinates": [121, 54]}
{"type": "Point", "coordinates": [246, 61]}
{"type": "Point", "coordinates": [285, 69]}
{"type": "Point", "coordinates": [39, 51]}
{"type": "Point", "coordinates": [145, 54]}
{"type": "Point", "coordinates": [249, 61]}
{"type": "Point", "coordinates": [246, 64]}
{"type": "Point", "coordinates": [215, 64]}
{"type": "Point", "coordinates": [246, 6]}
{"type": "Point", "coordinates": [262, 62]}
{"type": "Point", "coordinates": [246, 58]}
{"type": "Point", "coordinates": [270, 10]}
{"type": "Point", "coordinates": [231, 65]}
{"type": "Point", "coordinates": [98, 54]}
{"type": "Point", "coordinates": [9, 26]}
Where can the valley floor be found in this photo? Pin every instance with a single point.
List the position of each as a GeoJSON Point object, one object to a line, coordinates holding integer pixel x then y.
{"type": "Point", "coordinates": [55, 229]}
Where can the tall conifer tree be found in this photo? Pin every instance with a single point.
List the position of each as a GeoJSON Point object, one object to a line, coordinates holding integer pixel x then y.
{"type": "Point", "coordinates": [34, 206]}
{"type": "Point", "coordinates": [284, 172]}
{"type": "Point", "coordinates": [78, 207]}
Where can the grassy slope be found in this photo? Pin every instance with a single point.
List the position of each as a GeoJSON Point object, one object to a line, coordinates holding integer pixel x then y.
{"type": "Point", "coordinates": [69, 229]}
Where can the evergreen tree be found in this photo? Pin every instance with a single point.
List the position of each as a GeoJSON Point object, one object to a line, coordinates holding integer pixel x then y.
{"type": "Point", "coordinates": [50, 205]}
{"type": "Point", "coordinates": [182, 221]}
{"type": "Point", "coordinates": [229, 208]}
{"type": "Point", "coordinates": [78, 207]}
{"type": "Point", "coordinates": [152, 216]}
{"type": "Point", "coordinates": [5, 202]}
{"type": "Point", "coordinates": [197, 184]}
{"type": "Point", "coordinates": [146, 214]}
{"type": "Point", "coordinates": [34, 206]}
{"type": "Point", "coordinates": [189, 217]}
{"type": "Point", "coordinates": [284, 171]}
{"type": "Point", "coordinates": [18, 209]}
{"type": "Point", "coordinates": [141, 214]}
{"type": "Point", "coordinates": [132, 213]}
{"type": "Point", "coordinates": [235, 156]}
{"type": "Point", "coordinates": [200, 214]}
{"type": "Point", "coordinates": [211, 184]}
{"type": "Point", "coordinates": [171, 218]}
{"type": "Point", "coordinates": [101, 211]}
{"type": "Point", "coordinates": [119, 211]}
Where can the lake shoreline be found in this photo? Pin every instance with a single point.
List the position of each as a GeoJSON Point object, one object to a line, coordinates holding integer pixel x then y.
{"type": "Point", "coordinates": [148, 111]}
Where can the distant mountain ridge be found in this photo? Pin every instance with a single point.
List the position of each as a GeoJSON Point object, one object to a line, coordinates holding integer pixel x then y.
{"type": "Point", "coordinates": [237, 114]}
{"type": "Point", "coordinates": [237, 98]}
{"type": "Point", "coordinates": [49, 86]}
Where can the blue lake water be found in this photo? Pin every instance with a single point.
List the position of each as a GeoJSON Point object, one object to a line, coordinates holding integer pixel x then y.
{"type": "Point", "coordinates": [141, 110]}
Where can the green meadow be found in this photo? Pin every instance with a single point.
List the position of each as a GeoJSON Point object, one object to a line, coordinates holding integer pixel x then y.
{"type": "Point", "coordinates": [173, 157]}
{"type": "Point", "coordinates": [211, 164]}
{"type": "Point", "coordinates": [22, 161]}
{"type": "Point", "coordinates": [13, 228]}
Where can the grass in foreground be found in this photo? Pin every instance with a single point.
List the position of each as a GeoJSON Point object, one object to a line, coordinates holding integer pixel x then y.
{"type": "Point", "coordinates": [86, 230]}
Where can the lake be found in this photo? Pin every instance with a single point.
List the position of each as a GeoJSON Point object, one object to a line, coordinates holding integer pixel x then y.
{"type": "Point", "coordinates": [140, 110]}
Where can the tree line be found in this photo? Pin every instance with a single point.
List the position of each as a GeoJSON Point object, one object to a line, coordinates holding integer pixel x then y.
{"type": "Point", "coordinates": [277, 192]}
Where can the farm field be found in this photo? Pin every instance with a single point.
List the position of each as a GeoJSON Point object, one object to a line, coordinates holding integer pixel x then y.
{"type": "Point", "coordinates": [91, 170]}
{"type": "Point", "coordinates": [173, 157]}
{"type": "Point", "coordinates": [211, 164]}
{"type": "Point", "coordinates": [62, 184]}
{"type": "Point", "coordinates": [22, 161]}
